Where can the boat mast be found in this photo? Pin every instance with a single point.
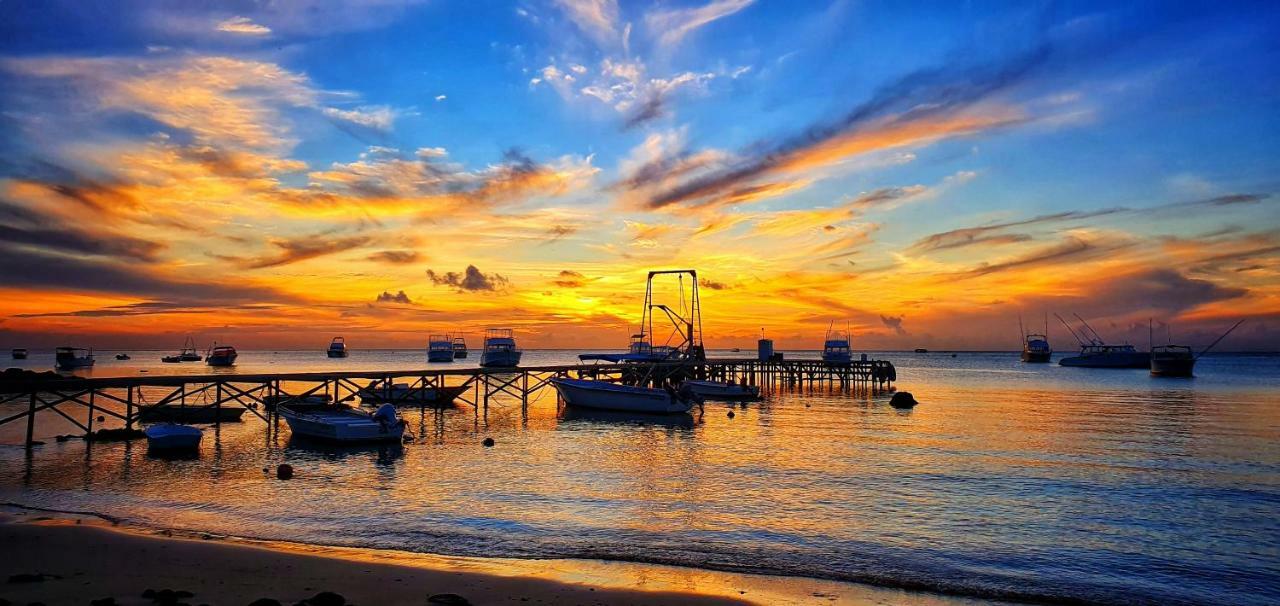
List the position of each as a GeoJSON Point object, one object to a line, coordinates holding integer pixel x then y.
{"type": "Point", "coordinates": [1079, 341]}
{"type": "Point", "coordinates": [1097, 338]}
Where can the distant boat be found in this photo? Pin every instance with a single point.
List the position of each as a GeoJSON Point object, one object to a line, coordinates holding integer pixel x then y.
{"type": "Point", "coordinates": [401, 393]}
{"type": "Point", "coordinates": [188, 352]}
{"type": "Point", "coordinates": [1180, 360]}
{"type": "Point", "coordinates": [439, 348]}
{"type": "Point", "coordinates": [122, 356]}
{"type": "Point", "coordinates": [717, 390]}
{"type": "Point", "coordinates": [1035, 347]}
{"type": "Point", "coordinates": [170, 436]}
{"type": "Point", "coordinates": [1095, 353]}
{"type": "Point", "coordinates": [174, 359]}
{"type": "Point", "coordinates": [736, 350]}
{"type": "Point", "coordinates": [337, 348]}
{"type": "Point", "coordinates": [603, 395]}
{"type": "Point", "coordinates": [19, 353]}
{"type": "Point", "coordinates": [835, 347]}
{"type": "Point", "coordinates": [500, 349]}
{"type": "Point", "coordinates": [178, 413]}
{"type": "Point", "coordinates": [346, 425]}
{"type": "Point", "coordinates": [921, 350]}
{"type": "Point", "coordinates": [221, 355]}
{"type": "Point", "coordinates": [459, 348]}
{"type": "Point", "coordinates": [69, 358]}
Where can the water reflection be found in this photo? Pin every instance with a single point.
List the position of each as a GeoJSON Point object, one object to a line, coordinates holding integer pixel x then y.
{"type": "Point", "coordinates": [572, 414]}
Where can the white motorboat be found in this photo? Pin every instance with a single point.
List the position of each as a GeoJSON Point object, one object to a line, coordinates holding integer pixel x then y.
{"type": "Point", "coordinates": [69, 358]}
{"type": "Point", "coordinates": [221, 355]}
{"type": "Point", "coordinates": [500, 349]}
{"type": "Point", "coordinates": [345, 424]}
{"type": "Point", "coordinates": [717, 390]}
{"type": "Point", "coordinates": [171, 436]}
{"type": "Point", "coordinates": [440, 348]}
{"type": "Point", "coordinates": [602, 395]}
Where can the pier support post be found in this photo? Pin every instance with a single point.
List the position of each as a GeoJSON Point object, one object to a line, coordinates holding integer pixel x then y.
{"type": "Point", "coordinates": [128, 409]}
{"type": "Point", "coordinates": [89, 425]}
{"type": "Point", "coordinates": [31, 419]}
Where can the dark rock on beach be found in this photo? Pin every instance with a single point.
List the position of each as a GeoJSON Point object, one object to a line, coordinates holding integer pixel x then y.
{"type": "Point", "coordinates": [448, 599]}
{"type": "Point", "coordinates": [326, 598]}
{"type": "Point", "coordinates": [903, 399]}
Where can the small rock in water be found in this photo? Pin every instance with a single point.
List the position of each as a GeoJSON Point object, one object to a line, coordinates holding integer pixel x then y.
{"type": "Point", "coordinates": [284, 471]}
{"type": "Point", "coordinates": [488, 442]}
{"type": "Point", "coordinates": [730, 414]}
{"type": "Point", "coordinates": [903, 399]}
{"type": "Point", "coordinates": [448, 599]}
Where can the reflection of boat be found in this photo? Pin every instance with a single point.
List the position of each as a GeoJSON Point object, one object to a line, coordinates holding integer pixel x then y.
{"type": "Point", "coordinates": [18, 353]}
{"type": "Point", "coordinates": [380, 392]}
{"type": "Point", "coordinates": [835, 347]}
{"type": "Point", "coordinates": [680, 420]}
{"type": "Point", "coordinates": [500, 349]}
{"type": "Point", "coordinates": [386, 451]}
{"type": "Point", "coordinates": [337, 348]}
{"type": "Point", "coordinates": [1035, 347]}
{"type": "Point", "coordinates": [611, 396]}
{"type": "Point", "coordinates": [440, 348]}
{"type": "Point", "coordinates": [67, 358]}
{"type": "Point", "coordinates": [459, 348]}
{"type": "Point", "coordinates": [345, 424]}
{"type": "Point", "coordinates": [716, 390]}
{"type": "Point", "coordinates": [122, 356]}
{"type": "Point", "coordinates": [170, 436]}
{"type": "Point", "coordinates": [1094, 353]}
{"type": "Point", "coordinates": [188, 352]}
{"type": "Point", "coordinates": [221, 355]}
{"type": "Point", "coordinates": [190, 414]}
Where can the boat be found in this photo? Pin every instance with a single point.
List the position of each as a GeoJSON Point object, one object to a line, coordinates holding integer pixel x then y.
{"type": "Point", "coordinates": [380, 392]}
{"type": "Point", "coordinates": [835, 347]}
{"type": "Point", "coordinates": [736, 350]}
{"type": "Point", "coordinates": [440, 349]}
{"type": "Point", "coordinates": [221, 355]}
{"type": "Point", "coordinates": [171, 436]}
{"type": "Point", "coordinates": [188, 352]}
{"type": "Point", "coordinates": [1096, 353]}
{"type": "Point", "coordinates": [459, 348]}
{"type": "Point", "coordinates": [686, 326]}
{"type": "Point", "coordinates": [174, 359]}
{"type": "Point", "coordinates": [69, 358]}
{"type": "Point", "coordinates": [1180, 360]}
{"type": "Point", "coordinates": [178, 413]}
{"type": "Point", "coordinates": [921, 350]}
{"type": "Point", "coordinates": [299, 403]}
{"type": "Point", "coordinates": [122, 356]}
{"type": "Point", "coordinates": [344, 424]}
{"type": "Point", "coordinates": [603, 395]}
{"type": "Point", "coordinates": [717, 390]}
{"type": "Point", "coordinates": [337, 348]}
{"type": "Point", "coordinates": [19, 353]}
{"type": "Point", "coordinates": [500, 349]}
{"type": "Point", "coordinates": [1035, 347]}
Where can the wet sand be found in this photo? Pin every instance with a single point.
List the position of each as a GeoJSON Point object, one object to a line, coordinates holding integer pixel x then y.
{"type": "Point", "coordinates": [77, 560]}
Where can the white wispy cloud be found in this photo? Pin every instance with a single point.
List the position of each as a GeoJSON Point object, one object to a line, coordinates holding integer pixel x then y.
{"type": "Point", "coordinates": [671, 26]}
{"type": "Point", "coordinates": [243, 25]}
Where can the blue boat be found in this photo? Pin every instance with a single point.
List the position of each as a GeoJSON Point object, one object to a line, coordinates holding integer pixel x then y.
{"type": "Point", "coordinates": [1096, 353]}
{"type": "Point", "coordinates": [835, 347]}
{"type": "Point", "coordinates": [439, 348]}
{"type": "Point", "coordinates": [337, 348]}
{"type": "Point", "coordinates": [500, 349]}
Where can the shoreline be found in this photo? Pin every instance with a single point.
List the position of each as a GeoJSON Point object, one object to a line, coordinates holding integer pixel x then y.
{"type": "Point", "coordinates": [122, 560]}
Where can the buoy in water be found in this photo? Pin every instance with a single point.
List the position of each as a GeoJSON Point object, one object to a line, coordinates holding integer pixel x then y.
{"type": "Point", "coordinates": [488, 442]}
{"type": "Point", "coordinates": [284, 471]}
{"type": "Point", "coordinates": [903, 399]}
{"type": "Point", "coordinates": [730, 414]}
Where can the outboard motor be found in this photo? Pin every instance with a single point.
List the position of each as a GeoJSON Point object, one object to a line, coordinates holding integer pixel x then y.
{"type": "Point", "coordinates": [386, 416]}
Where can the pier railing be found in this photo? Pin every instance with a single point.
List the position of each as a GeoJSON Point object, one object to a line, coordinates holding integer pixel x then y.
{"type": "Point", "coordinates": [128, 399]}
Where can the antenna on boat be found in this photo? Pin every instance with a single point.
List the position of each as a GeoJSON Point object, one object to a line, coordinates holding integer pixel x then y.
{"type": "Point", "coordinates": [1022, 332]}
{"type": "Point", "coordinates": [1069, 329]}
{"type": "Point", "coordinates": [1219, 339]}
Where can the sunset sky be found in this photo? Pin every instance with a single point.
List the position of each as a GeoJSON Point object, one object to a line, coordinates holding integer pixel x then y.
{"type": "Point", "coordinates": [272, 174]}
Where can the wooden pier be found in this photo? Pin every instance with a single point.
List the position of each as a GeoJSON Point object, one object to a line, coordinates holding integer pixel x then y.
{"type": "Point", "coordinates": [126, 399]}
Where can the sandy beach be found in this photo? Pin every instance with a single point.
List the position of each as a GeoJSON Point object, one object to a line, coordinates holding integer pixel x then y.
{"type": "Point", "coordinates": [67, 559]}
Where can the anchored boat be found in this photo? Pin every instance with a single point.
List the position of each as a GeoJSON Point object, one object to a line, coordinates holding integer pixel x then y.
{"type": "Point", "coordinates": [18, 353]}
{"type": "Point", "coordinates": [173, 437]}
{"type": "Point", "coordinates": [382, 392]}
{"type": "Point", "coordinates": [71, 358]}
{"type": "Point", "coordinates": [440, 348]}
{"type": "Point", "coordinates": [337, 348]}
{"type": "Point", "coordinates": [500, 349]}
{"type": "Point", "coordinates": [1180, 360]}
{"type": "Point", "coordinates": [221, 355]}
{"type": "Point", "coordinates": [459, 348]}
{"type": "Point", "coordinates": [1035, 347]}
{"type": "Point", "coordinates": [188, 352]}
{"type": "Point", "coordinates": [603, 395]}
{"type": "Point", "coordinates": [345, 424]}
{"type": "Point", "coordinates": [835, 347]}
{"type": "Point", "coordinates": [1095, 353]}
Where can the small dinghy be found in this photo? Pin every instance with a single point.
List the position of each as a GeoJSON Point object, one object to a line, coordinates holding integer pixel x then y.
{"type": "Point", "coordinates": [602, 395]}
{"type": "Point", "coordinates": [171, 436]}
{"type": "Point", "coordinates": [717, 390]}
{"type": "Point", "coordinates": [346, 425]}
{"type": "Point", "coordinates": [122, 356]}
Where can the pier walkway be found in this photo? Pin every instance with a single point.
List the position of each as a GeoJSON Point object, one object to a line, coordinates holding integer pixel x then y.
{"type": "Point", "coordinates": [126, 399]}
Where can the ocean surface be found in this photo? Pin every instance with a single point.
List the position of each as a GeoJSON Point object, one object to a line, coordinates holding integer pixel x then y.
{"type": "Point", "coordinates": [1011, 481]}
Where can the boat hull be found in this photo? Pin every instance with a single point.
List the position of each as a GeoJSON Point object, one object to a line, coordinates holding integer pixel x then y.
{"type": "Point", "coordinates": [342, 426]}
{"type": "Point", "coordinates": [191, 414]}
{"type": "Point", "coordinates": [600, 395]}
{"type": "Point", "coordinates": [1135, 359]}
{"type": "Point", "coordinates": [1036, 357]}
{"type": "Point", "coordinates": [440, 356]}
{"type": "Point", "coordinates": [459, 355]}
{"type": "Point", "coordinates": [422, 396]}
{"type": "Point", "coordinates": [173, 437]}
{"type": "Point", "coordinates": [221, 360]}
{"type": "Point", "coordinates": [337, 353]}
{"type": "Point", "coordinates": [74, 364]}
{"type": "Point", "coordinates": [837, 358]}
{"type": "Point", "coordinates": [500, 359]}
{"type": "Point", "coordinates": [715, 390]}
{"type": "Point", "coordinates": [1173, 367]}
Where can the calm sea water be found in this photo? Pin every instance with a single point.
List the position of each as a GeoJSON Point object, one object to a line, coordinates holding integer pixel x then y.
{"type": "Point", "coordinates": [1015, 481]}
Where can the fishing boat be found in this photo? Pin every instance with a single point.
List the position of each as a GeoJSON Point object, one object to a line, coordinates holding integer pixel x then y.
{"type": "Point", "coordinates": [19, 353]}
{"type": "Point", "coordinates": [685, 340]}
{"type": "Point", "coordinates": [345, 424]}
{"type": "Point", "coordinates": [337, 348]}
{"type": "Point", "coordinates": [1096, 353]}
{"type": "Point", "coordinates": [221, 355]}
{"type": "Point", "coordinates": [835, 347]}
{"type": "Point", "coordinates": [500, 349]}
{"type": "Point", "coordinates": [440, 349]}
{"type": "Point", "coordinates": [174, 359]}
{"type": "Point", "coordinates": [459, 348]}
{"type": "Point", "coordinates": [921, 350]}
{"type": "Point", "coordinates": [1035, 347]}
{"type": "Point", "coordinates": [381, 392]}
{"type": "Point", "coordinates": [717, 390]}
{"type": "Point", "coordinates": [70, 358]}
{"type": "Point", "coordinates": [603, 395]}
{"type": "Point", "coordinates": [180, 413]}
{"type": "Point", "coordinates": [171, 437]}
{"type": "Point", "coordinates": [188, 352]}
{"type": "Point", "coordinates": [122, 356]}
{"type": "Point", "coordinates": [1179, 360]}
